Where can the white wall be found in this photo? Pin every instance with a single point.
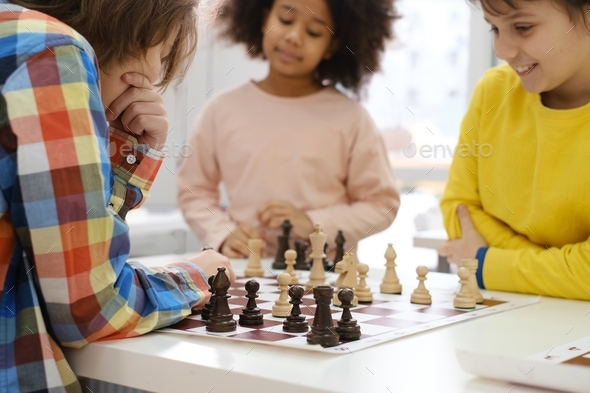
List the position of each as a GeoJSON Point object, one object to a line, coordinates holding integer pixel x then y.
{"type": "Point", "coordinates": [219, 66]}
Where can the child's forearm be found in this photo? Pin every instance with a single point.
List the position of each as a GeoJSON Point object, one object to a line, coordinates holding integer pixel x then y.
{"type": "Point", "coordinates": [560, 272]}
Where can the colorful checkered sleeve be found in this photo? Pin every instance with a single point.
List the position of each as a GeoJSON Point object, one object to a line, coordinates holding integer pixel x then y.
{"type": "Point", "coordinates": [64, 276]}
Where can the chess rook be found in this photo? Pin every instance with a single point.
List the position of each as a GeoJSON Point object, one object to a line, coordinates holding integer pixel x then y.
{"type": "Point", "coordinates": [323, 332]}
{"type": "Point", "coordinates": [254, 268]}
{"type": "Point", "coordinates": [317, 276]}
{"type": "Point", "coordinates": [221, 319]}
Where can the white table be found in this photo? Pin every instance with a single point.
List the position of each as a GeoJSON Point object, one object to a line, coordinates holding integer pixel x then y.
{"type": "Point", "coordinates": [424, 362]}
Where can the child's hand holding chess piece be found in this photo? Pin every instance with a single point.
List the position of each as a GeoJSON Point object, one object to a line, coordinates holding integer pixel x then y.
{"type": "Point", "coordinates": [272, 214]}
{"type": "Point", "coordinates": [236, 244]}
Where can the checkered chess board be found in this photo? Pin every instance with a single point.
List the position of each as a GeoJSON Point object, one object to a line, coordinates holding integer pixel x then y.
{"type": "Point", "coordinates": [389, 316]}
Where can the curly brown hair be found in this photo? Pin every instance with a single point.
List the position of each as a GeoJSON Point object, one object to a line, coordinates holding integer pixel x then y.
{"type": "Point", "coordinates": [120, 30]}
{"type": "Point", "coordinates": [364, 26]}
{"type": "Point", "coordinates": [574, 8]}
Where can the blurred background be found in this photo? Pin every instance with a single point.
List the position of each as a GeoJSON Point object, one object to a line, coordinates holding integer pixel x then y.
{"type": "Point", "coordinates": [418, 99]}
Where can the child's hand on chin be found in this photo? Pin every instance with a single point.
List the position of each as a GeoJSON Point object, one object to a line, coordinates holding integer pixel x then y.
{"type": "Point", "coordinates": [140, 111]}
{"type": "Point", "coordinates": [272, 214]}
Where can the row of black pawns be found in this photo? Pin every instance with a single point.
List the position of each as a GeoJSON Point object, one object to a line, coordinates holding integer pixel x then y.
{"type": "Point", "coordinates": [220, 318]}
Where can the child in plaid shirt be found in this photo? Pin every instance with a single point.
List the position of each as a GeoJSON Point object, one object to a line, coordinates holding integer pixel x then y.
{"type": "Point", "coordinates": [64, 276]}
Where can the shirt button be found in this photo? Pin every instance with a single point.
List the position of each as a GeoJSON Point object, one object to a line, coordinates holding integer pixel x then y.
{"type": "Point", "coordinates": [131, 159]}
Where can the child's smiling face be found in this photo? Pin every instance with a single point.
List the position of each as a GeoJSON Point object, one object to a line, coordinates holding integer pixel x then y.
{"type": "Point", "coordinates": [549, 51]}
{"type": "Point", "coordinates": [297, 36]}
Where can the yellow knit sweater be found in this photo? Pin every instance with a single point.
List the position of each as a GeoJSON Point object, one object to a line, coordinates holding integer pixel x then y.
{"type": "Point", "coordinates": [523, 171]}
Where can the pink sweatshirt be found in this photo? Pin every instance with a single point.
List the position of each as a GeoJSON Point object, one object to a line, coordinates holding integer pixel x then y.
{"type": "Point", "coordinates": [322, 152]}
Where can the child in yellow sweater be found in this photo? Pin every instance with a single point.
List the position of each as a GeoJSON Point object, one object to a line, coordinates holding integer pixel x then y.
{"type": "Point", "coordinates": [521, 205]}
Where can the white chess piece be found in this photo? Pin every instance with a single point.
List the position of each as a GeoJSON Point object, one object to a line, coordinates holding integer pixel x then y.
{"type": "Point", "coordinates": [290, 256]}
{"type": "Point", "coordinates": [317, 275]}
{"type": "Point", "coordinates": [347, 279]}
{"type": "Point", "coordinates": [282, 307]}
{"type": "Point", "coordinates": [363, 291]}
{"type": "Point", "coordinates": [254, 268]}
{"type": "Point", "coordinates": [464, 298]}
{"type": "Point", "coordinates": [390, 283]}
{"type": "Point", "coordinates": [471, 264]}
{"type": "Point", "coordinates": [421, 295]}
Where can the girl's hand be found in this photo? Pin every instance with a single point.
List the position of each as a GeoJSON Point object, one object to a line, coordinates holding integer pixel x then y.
{"type": "Point", "coordinates": [140, 111]}
{"type": "Point", "coordinates": [465, 247]}
{"type": "Point", "coordinates": [272, 214]}
{"type": "Point", "coordinates": [236, 244]}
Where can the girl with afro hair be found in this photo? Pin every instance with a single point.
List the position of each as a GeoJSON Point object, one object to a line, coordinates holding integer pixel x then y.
{"type": "Point", "coordinates": [293, 145]}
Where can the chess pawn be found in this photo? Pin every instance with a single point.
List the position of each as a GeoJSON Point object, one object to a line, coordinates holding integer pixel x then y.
{"type": "Point", "coordinates": [221, 319]}
{"type": "Point", "coordinates": [282, 307]}
{"type": "Point", "coordinates": [254, 268]}
{"type": "Point", "coordinates": [251, 315]}
{"type": "Point", "coordinates": [290, 256]}
{"type": "Point", "coordinates": [317, 276]}
{"type": "Point", "coordinates": [363, 292]}
{"type": "Point", "coordinates": [421, 295]}
{"type": "Point", "coordinates": [464, 298]}
{"type": "Point", "coordinates": [295, 322]}
{"type": "Point", "coordinates": [322, 331]}
{"type": "Point", "coordinates": [390, 283]}
{"type": "Point", "coordinates": [347, 327]}
{"type": "Point", "coordinates": [206, 313]}
{"type": "Point", "coordinates": [471, 264]}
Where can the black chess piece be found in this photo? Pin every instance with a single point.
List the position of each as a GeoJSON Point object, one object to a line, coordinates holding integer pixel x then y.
{"type": "Point", "coordinates": [283, 245]}
{"type": "Point", "coordinates": [206, 313]}
{"type": "Point", "coordinates": [347, 327]}
{"type": "Point", "coordinates": [328, 264]}
{"type": "Point", "coordinates": [295, 322]}
{"type": "Point", "coordinates": [221, 319]}
{"type": "Point", "coordinates": [301, 248]}
{"type": "Point", "coordinates": [339, 247]}
{"type": "Point", "coordinates": [323, 332]}
{"type": "Point", "coordinates": [251, 315]}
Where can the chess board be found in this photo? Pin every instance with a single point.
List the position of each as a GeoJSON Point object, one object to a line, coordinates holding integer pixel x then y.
{"type": "Point", "coordinates": [387, 318]}
{"type": "Point", "coordinates": [576, 352]}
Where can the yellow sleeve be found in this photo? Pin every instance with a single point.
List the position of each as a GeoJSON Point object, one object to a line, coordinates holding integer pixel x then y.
{"type": "Point", "coordinates": [560, 272]}
{"type": "Point", "coordinates": [463, 185]}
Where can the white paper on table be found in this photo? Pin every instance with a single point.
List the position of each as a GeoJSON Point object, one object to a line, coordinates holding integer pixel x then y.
{"type": "Point", "coordinates": [535, 371]}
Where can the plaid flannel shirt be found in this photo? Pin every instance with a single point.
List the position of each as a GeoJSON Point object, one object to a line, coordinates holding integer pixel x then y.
{"type": "Point", "coordinates": [64, 276]}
